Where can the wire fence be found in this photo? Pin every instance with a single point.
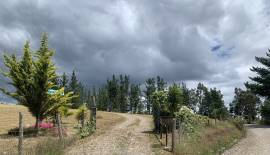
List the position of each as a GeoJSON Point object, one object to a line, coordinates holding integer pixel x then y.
{"type": "Point", "coordinates": [19, 133]}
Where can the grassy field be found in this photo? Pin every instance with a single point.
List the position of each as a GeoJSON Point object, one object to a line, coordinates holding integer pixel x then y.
{"type": "Point", "coordinates": [9, 119]}
{"type": "Point", "coordinates": [211, 140]}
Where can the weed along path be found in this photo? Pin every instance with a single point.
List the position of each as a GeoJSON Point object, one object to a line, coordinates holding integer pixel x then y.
{"type": "Point", "coordinates": [257, 142]}
{"type": "Point", "coordinates": [128, 137]}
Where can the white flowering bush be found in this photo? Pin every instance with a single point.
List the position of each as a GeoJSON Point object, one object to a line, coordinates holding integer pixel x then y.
{"type": "Point", "coordinates": [189, 120]}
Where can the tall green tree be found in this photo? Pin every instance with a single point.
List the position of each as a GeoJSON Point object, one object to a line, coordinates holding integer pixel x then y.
{"type": "Point", "coordinates": [113, 89]}
{"type": "Point", "coordinates": [75, 88]}
{"type": "Point", "coordinates": [122, 94]}
{"type": "Point", "coordinates": [102, 99]}
{"type": "Point", "coordinates": [175, 98]}
{"type": "Point", "coordinates": [160, 106]}
{"type": "Point", "coordinates": [134, 98]}
{"type": "Point", "coordinates": [64, 82]}
{"type": "Point", "coordinates": [161, 84]}
{"type": "Point", "coordinates": [261, 84]}
{"type": "Point", "coordinates": [150, 89]}
{"type": "Point", "coordinates": [185, 94]}
{"type": "Point", "coordinates": [217, 108]}
{"type": "Point", "coordinates": [245, 104]}
{"type": "Point", "coordinates": [32, 78]}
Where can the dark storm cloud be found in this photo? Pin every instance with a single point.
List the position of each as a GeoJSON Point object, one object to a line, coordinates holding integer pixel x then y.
{"type": "Point", "coordinates": [141, 38]}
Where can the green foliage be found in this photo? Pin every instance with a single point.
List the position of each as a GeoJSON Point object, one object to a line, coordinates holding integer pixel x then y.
{"type": "Point", "coordinates": [32, 77]}
{"type": "Point", "coordinates": [123, 92]}
{"type": "Point", "coordinates": [102, 99]}
{"type": "Point", "coordinates": [261, 82]}
{"type": "Point", "coordinates": [81, 113]}
{"type": "Point", "coordinates": [134, 97]}
{"type": "Point", "coordinates": [150, 89]}
{"type": "Point", "coordinates": [87, 129]}
{"type": "Point", "coordinates": [189, 120]}
{"type": "Point", "coordinates": [75, 88]}
{"type": "Point", "coordinates": [265, 112]}
{"type": "Point", "coordinates": [238, 122]}
{"type": "Point", "coordinates": [160, 105]}
{"type": "Point", "coordinates": [175, 98]}
{"type": "Point", "coordinates": [161, 84]}
{"type": "Point", "coordinates": [112, 88]}
{"type": "Point", "coordinates": [245, 104]}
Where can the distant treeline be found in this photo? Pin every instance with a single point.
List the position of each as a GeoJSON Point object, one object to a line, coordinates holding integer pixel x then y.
{"type": "Point", "coordinates": [118, 94]}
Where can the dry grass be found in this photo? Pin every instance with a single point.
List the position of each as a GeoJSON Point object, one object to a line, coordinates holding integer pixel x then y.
{"type": "Point", "coordinates": [211, 140]}
{"type": "Point", "coordinates": [9, 119]}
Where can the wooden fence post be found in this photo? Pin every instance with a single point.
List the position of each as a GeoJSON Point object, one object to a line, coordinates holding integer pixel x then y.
{"type": "Point", "coordinates": [173, 134]}
{"type": "Point", "coordinates": [59, 127]}
{"type": "Point", "coordinates": [20, 144]}
{"type": "Point", "coordinates": [93, 113]}
{"type": "Point", "coordinates": [166, 135]}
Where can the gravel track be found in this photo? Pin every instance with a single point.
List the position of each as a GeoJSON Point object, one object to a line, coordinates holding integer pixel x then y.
{"type": "Point", "coordinates": [257, 142]}
{"type": "Point", "coordinates": [129, 137]}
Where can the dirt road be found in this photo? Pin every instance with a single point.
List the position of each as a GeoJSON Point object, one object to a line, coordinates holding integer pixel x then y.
{"type": "Point", "coordinates": [257, 142]}
{"type": "Point", "coordinates": [129, 137]}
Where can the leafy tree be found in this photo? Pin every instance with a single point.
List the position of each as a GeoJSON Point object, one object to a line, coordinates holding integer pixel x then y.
{"type": "Point", "coordinates": [204, 98]}
{"type": "Point", "coordinates": [160, 106]}
{"type": "Point", "coordinates": [175, 98]}
{"type": "Point", "coordinates": [134, 98]}
{"type": "Point", "coordinates": [32, 78]}
{"type": "Point", "coordinates": [265, 112]}
{"type": "Point", "coordinates": [245, 104]}
{"type": "Point", "coordinates": [150, 89]}
{"type": "Point", "coordinates": [217, 108]}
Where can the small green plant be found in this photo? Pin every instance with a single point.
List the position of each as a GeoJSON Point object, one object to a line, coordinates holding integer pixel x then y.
{"type": "Point", "coordinates": [81, 114]}
{"type": "Point", "coordinates": [87, 129]}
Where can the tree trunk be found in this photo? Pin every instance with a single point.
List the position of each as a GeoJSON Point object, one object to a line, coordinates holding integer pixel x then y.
{"type": "Point", "coordinates": [37, 124]}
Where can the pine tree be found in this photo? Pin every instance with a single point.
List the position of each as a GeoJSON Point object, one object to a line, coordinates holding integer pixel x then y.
{"type": "Point", "coordinates": [32, 78]}
{"type": "Point", "coordinates": [150, 89]}
{"type": "Point", "coordinates": [64, 82]}
{"type": "Point", "coordinates": [261, 82]}
{"type": "Point", "coordinates": [185, 94]}
{"type": "Point", "coordinates": [134, 98]}
{"type": "Point", "coordinates": [74, 87]}
{"type": "Point", "coordinates": [113, 89]}
{"type": "Point", "coordinates": [102, 99]}
{"type": "Point", "coordinates": [161, 84]}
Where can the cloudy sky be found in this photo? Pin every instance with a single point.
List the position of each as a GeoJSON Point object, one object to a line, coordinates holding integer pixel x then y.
{"type": "Point", "coordinates": [208, 41]}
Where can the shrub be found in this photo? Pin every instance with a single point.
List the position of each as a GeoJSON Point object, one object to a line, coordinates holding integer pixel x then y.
{"type": "Point", "coordinates": [238, 122]}
{"type": "Point", "coordinates": [189, 120]}
{"type": "Point", "coordinates": [87, 129]}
